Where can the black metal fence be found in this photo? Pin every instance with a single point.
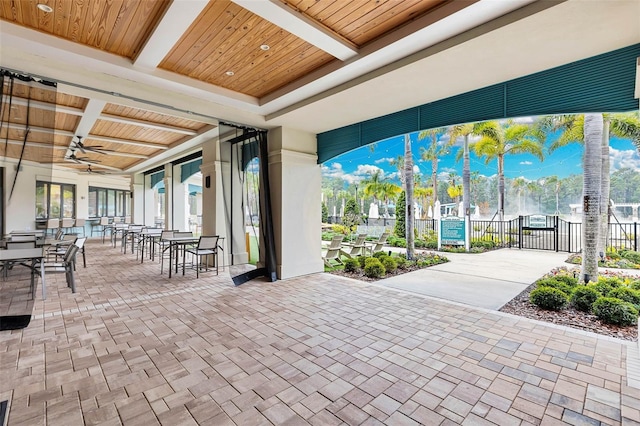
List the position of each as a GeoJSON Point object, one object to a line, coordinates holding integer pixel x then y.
{"type": "Point", "coordinates": [533, 232]}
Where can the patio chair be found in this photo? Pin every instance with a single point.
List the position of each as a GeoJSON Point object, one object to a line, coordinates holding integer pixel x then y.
{"type": "Point", "coordinates": [66, 224]}
{"type": "Point", "coordinates": [357, 248]}
{"type": "Point", "coordinates": [334, 250]}
{"type": "Point", "coordinates": [53, 224]}
{"type": "Point", "coordinates": [207, 246]}
{"type": "Point", "coordinates": [378, 245]}
{"type": "Point", "coordinates": [78, 225]}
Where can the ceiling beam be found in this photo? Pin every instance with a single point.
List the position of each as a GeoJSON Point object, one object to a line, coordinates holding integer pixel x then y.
{"type": "Point", "coordinates": [35, 144]}
{"type": "Point", "coordinates": [44, 106]}
{"type": "Point", "coordinates": [301, 26]}
{"type": "Point", "coordinates": [91, 113]}
{"type": "Point", "coordinates": [177, 19]}
{"type": "Point", "coordinates": [147, 124]}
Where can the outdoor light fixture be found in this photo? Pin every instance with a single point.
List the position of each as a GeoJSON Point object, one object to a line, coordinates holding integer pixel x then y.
{"type": "Point", "coordinates": [229, 73]}
{"type": "Point", "coordinates": [602, 256]}
{"type": "Point", "coordinates": [265, 47]}
{"type": "Point", "coordinates": [44, 7]}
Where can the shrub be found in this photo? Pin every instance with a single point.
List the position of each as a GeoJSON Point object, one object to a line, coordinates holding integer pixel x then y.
{"type": "Point", "coordinates": [401, 262]}
{"type": "Point", "coordinates": [400, 229]}
{"type": "Point", "coordinates": [583, 296]}
{"type": "Point", "coordinates": [351, 265]}
{"type": "Point", "coordinates": [635, 284]}
{"type": "Point", "coordinates": [570, 280]}
{"type": "Point", "coordinates": [362, 260]}
{"type": "Point", "coordinates": [339, 229]}
{"type": "Point", "coordinates": [389, 263]}
{"type": "Point", "coordinates": [604, 285]}
{"type": "Point", "coordinates": [552, 282]}
{"type": "Point", "coordinates": [614, 311]}
{"type": "Point", "coordinates": [626, 294]}
{"type": "Point", "coordinates": [373, 268]}
{"type": "Point", "coordinates": [549, 298]}
{"type": "Point", "coordinates": [380, 254]}
{"type": "Point", "coordinates": [394, 241]}
{"type": "Point", "coordinates": [632, 256]}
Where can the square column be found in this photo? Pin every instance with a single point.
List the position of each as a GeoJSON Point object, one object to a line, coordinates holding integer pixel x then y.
{"type": "Point", "coordinates": [295, 180]}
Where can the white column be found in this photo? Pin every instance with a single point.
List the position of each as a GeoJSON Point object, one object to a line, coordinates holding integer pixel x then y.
{"type": "Point", "coordinates": [168, 198]}
{"type": "Point", "coordinates": [180, 196]}
{"type": "Point", "coordinates": [150, 206]}
{"type": "Point", "coordinates": [137, 202]}
{"type": "Point", "coordinates": [295, 181]}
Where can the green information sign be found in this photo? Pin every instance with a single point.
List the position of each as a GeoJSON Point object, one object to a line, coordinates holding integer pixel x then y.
{"type": "Point", "coordinates": [452, 231]}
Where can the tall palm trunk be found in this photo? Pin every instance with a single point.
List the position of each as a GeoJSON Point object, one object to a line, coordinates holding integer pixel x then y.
{"type": "Point", "coordinates": [501, 187]}
{"type": "Point", "coordinates": [466, 178]}
{"type": "Point", "coordinates": [409, 213]}
{"type": "Point", "coordinates": [605, 183]}
{"type": "Point", "coordinates": [434, 179]}
{"type": "Point", "coordinates": [592, 165]}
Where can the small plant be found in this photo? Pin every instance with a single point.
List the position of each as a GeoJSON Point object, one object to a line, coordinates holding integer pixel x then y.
{"type": "Point", "coordinates": [401, 262]}
{"type": "Point", "coordinates": [631, 256]}
{"type": "Point", "coordinates": [362, 260]}
{"type": "Point", "coordinates": [380, 254]}
{"type": "Point", "coordinates": [614, 311]}
{"type": "Point", "coordinates": [373, 268]}
{"type": "Point", "coordinates": [570, 280]}
{"type": "Point", "coordinates": [351, 265]}
{"type": "Point", "coordinates": [635, 284]}
{"type": "Point", "coordinates": [604, 285]}
{"type": "Point", "coordinates": [549, 298]}
{"type": "Point", "coordinates": [553, 282]}
{"type": "Point", "coordinates": [626, 294]}
{"type": "Point", "coordinates": [583, 297]}
{"type": "Point", "coordinates": [389, 263]}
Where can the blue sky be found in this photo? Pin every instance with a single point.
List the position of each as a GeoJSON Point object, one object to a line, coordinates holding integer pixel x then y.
{"type": "Point", "coordinates": [357, 165]}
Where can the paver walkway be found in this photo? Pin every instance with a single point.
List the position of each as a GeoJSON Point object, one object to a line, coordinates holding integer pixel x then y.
{"type": "Point", "coordinates": [133, 347]}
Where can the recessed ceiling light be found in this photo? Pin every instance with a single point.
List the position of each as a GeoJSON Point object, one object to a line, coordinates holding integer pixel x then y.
{"type": "Point", "coordinates": [44, 7]}
{"type": "Point", "coordinates": [229, 73]}
{"type": "Point", "coordinates": [265, 47]}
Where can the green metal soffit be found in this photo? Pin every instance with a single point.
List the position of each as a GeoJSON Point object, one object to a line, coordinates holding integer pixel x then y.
{"type": "Point", "coordinates": [598, 84]}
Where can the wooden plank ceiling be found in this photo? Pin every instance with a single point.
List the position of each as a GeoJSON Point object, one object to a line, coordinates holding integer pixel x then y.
{"type": "Point", "coordinates": [226, 45]}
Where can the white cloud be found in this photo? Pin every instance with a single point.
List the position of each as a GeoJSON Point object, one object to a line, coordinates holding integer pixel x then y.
{"type": "Point", "coordinates": [368, 170]}
{"type": "Point", "coordinates": [624, 159]}
{"type": "Point", "coordinates": [384, 160]}
{"type": "Point", "coordinates": [526, 163]}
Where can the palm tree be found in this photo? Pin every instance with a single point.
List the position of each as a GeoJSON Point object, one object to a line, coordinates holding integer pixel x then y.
{"type": "Point", "coordinates": [592, 164]}
{"type": "Point", "coordinates": [423, 194]}
{"type": "Point", "coordinates": [398, 162]}
{"type": "Point", "coordinates": [465, 131]}
{"type": "Point", "coordinates": [624, 125]}
{"type": "Point", "coordinates": [373, 185]}
{"type": "Point", "coordinates": [409, 213]}
{"type": "Point", "coordinates": [519, 184]}
{"type": "Point", "coordinates": [498, 140]}
{"type": "Point", "coordinates": [433, 152]}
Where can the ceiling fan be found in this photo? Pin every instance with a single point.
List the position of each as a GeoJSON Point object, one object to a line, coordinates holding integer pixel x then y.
{"type": "Point", "coordinates": [98, 149]}
{"type": "Point", "coordinates": [90, 171]}
{"type": "Point", "coordinates": [80, 160]}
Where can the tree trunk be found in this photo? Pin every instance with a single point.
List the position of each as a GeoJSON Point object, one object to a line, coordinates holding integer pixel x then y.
{"type": "Point", "coordinates": [466, 184]}
{"type": "Point", "coordinates": [605, 190]}
{"type": "Point", "coordinates": [409, 213]}
{"type": "Point", "coordinates": [501, 188]}
{"type": "Point", "coordinates": [592, 166]}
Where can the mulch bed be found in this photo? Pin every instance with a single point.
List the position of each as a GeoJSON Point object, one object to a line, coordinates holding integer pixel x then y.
{"type": "Point", "coordinates": [569, 317]}
{"type": "Point", "coordinates": [362, 277]}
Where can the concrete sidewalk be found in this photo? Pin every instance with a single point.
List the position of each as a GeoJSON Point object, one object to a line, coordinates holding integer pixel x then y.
{"type": "Point", "coordinates": [486, 280]}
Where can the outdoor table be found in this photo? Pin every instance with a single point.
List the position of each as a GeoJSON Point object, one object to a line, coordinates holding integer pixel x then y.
{"type": "Point", "coordinates": [35, 255]}
{"type": "Point", "coordinates": [174, 243]}
{"type": "Point", "coordinates": [148, 236]}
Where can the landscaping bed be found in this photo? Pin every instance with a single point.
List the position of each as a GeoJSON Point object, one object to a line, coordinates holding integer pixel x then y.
{"type": "Point", "coordinates": [421, 261]}
{"type": "Point", "coordinates": [569, 316]}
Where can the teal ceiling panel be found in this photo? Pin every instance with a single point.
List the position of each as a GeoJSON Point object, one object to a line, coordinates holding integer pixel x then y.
{"type": "Point", "coordinates": [478, 105]}
{"type": "Point", "coordinates": [387, 126]}
{"type": "Point", "coordinates": [603, 83]}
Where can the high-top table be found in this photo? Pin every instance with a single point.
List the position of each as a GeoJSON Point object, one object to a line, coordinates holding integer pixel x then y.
{"type": "Point", "coordinates": [174, 243]}
{"type": "Point", "coordinates": [36, 255]}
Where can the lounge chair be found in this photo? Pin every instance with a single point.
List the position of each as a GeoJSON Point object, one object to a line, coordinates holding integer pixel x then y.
{"type": "Point", "coordinates": [378, 245]}
{"type": "Point", "coordinates": [334, 251]}
{"type": "Point", "coordinates": [357, 248]}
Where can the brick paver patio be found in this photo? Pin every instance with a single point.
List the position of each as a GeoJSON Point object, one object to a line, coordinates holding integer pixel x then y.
{"type": "Point", "coordinates": [133, 347]}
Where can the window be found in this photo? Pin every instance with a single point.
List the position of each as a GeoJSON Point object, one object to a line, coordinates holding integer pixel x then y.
{"type": "Point", "coordinates": [55, 200]}
{"type": "Point", "coordinates": [109, 202]}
